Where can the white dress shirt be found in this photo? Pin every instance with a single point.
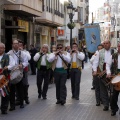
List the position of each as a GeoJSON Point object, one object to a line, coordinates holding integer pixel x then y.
{"type": "Point", "coordinates": [11, 62]}
{"type": "Point", "coordinates": [78, 55]}
{"type": "Point", "coordinates": [24, 59]}
{"type": "Point", "coordinates": [43, 59]}
{"type": "Point", "coordinates": [51, 57]}
{"type": "Point", "coordinates": [109, 63]}
{"type": "Point", "coordinates": [93, 57]}
{"type": "Point", "coordinates": [106, 59]}
{"type": "Point", "coordinates": [28, 54]}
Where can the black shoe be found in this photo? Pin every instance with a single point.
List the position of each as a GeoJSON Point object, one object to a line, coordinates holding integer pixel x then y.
{"type": "Point", "coordinates": [98, 104]}
{"type": "Point", "coordinates": [17, 103]}
{"type": "Point", "coordinates": [113, 113]}
{"type": "Point", "coordinates": [39, 96]}
{"type": "Point", "coordinates": [58, 102]}
{"type": "Point", "coordinates": [72, 97]}
{"type": "Point", "coordinates": [3, 112]}
{"type": "Point", "coordinates": [105, 108]}
{"type": "Point", "coordinates": [27, 101]}
{"type": "Point", "coordinates": [76, 98]}
{"type": "Point", "coordinates": [44, 98]}
{"type": "Point", "coordinates": [33, 74]}
{"type": "Point", "coordinates": [12, 108]}
{"type": "Point", "coordinates": [93, 88]}
{"type": "Point", "coordinates": [22, 106]}
{"type": "Point", "coordinates": [63, 102]}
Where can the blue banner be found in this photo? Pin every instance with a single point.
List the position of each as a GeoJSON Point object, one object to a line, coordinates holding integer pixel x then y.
{"type": "Point", "coordinates": [92, 37]}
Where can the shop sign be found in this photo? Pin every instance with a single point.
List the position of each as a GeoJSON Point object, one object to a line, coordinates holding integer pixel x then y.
{"type": "Point", "coordinates": [25, 24]}
{"type": "Point", "coordinates": [60, 32]}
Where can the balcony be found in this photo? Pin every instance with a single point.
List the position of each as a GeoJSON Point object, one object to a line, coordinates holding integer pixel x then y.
{"type": "Point", "coordinates": [51, 19]}
{"type": "Point", "coordinates": [57, 20]}
{"type": "Point", "coordinates": [46, 17]}
{"type": "Point", "coordinates": [25, 7]}
{"type": "Point", "coordinates": [9, 1]}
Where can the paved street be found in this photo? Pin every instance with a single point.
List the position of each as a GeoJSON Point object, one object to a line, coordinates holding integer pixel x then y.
{"type": "Point", "coordinates": [39, 109]}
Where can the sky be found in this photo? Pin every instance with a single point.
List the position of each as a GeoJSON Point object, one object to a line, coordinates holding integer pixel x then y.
{"type": "Point", "coordinates": [94, 4]}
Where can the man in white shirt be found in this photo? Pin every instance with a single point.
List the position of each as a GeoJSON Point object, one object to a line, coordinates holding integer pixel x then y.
{"type": "Point", "coordinates": [100, 61]}
{"type": "Point", "coordinates": [21, 61]}
{"type": "Point", "coordinates": [76, 65]}
{"type": "Point", "coordinates": [60, 60]}
{"type": "Point", "coordinates": [95, 77]}
{"type": "Point", "coordinates": [6, 64]}
{"type": "Point", "coordinates": [25, 72]}
{"type": "Point", "coordinates": [43, 67]}
{"type": "Point", "coordinates": [113, 66]}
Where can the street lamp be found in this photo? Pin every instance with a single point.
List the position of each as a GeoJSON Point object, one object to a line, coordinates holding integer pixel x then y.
{"type": "Point", "coordinates": [71, 25]}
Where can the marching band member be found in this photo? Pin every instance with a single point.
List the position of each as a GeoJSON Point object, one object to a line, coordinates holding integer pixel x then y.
{"type": "Point", "coordinates": [59, 60]}
{"type": "Point", "coordinates": [21, 61]}
{"type": "Point", "coordinates": [43, 67]}
{"type": "Point", "coordinates": [25, 77]}
{"type": "Point", "coordinates": [114, 68]}
{"type": "Point", "coordinates": [95, 77]}
{"type": "Point", "coordinates": [76, 64]}
{"type": "Point", "coordinates": [6, 64]}
{"type": "Point", "coordinates": [101, 59]}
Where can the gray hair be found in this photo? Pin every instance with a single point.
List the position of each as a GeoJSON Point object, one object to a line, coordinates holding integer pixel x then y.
{"type": "Point", "coordinates": [2, 44]}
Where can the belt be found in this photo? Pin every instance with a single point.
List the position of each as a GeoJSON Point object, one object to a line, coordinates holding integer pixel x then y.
{"type": "Point", "coordinates": [43, 68]}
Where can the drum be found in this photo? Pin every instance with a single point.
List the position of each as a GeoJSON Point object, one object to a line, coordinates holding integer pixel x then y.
{"type": "Point", "coordinates": [116, 82]}
{"type": "Point", "coordinates": [16, 76]}
{"type": "Point", "coordinates": [3, 81]}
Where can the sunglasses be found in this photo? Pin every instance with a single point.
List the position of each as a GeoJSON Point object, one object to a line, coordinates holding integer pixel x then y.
{"type": "Point", "coordinates": [59, 47]}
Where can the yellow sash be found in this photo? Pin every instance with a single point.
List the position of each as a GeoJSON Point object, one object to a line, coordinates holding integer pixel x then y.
{"type": "Point", "coordinates": [74, 65]}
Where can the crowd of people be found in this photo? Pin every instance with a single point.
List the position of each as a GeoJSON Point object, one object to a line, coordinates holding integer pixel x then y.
{"type": "Point", "coordinates": [59, 64]}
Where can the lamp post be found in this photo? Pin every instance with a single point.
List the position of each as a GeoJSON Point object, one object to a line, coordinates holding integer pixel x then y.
{"type": "Point", "coordinates": [71, 25]}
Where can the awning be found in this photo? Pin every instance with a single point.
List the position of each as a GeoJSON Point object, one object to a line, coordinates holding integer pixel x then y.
{"type": "Point", "coordinates": [14, 27]}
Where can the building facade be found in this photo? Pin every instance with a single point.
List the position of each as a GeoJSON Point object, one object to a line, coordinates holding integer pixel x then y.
{"type": "Point", "coordinates": [17, 20]}
{"type": "Point", "coordinates": [80, 18]}
{"type": "Point", "coordinates": [51, 18]}
{"type": "Point", "coordinates": [33, 21]}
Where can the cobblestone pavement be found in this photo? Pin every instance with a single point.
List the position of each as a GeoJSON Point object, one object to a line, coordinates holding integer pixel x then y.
{"type": "Point", "coordinates": [84, 109]}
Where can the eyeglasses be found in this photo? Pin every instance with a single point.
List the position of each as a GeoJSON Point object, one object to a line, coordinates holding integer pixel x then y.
{"type": "Point", "coordinates": [59, 47]}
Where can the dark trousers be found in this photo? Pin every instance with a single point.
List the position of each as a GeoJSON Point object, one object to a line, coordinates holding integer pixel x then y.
{"type": "Point", "coordinates": [4, 103]}
{"type": "Point", "coordinates": [40, 76]}
{"type": "Point", "coordinates": [114, 100]}
{"type": "Point", "coordinates": [104, 93]}
{"type": "Point", "coordinates": [25, 85]}
{"type": "Point", "coordinates": [33, 67]}
{"type": "Point", "coordinates": [20, 90]}
{"type": "Point", "coordinates": [96, 82]}
{"type": "Point", "coordinates": [75, 82]}
{"type": "Point", "coordinates": [60, 82]}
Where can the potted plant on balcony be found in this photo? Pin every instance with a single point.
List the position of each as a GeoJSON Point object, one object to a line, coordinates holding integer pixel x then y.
{"type": "Point", "coordinates": [71, 25]}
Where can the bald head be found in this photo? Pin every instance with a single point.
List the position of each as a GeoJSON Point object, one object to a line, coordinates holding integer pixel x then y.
{"type": "Point", "coordinates": [15, 45]}
{"type": "Point", "coordinates": [107, 44]}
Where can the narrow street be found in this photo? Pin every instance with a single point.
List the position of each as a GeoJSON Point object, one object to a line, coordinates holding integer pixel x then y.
{"type": "Point", "coordinates": [84, 109]}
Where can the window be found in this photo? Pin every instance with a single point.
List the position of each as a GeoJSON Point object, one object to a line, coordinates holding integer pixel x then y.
{"type": "Point", "coordinates": [80, 14]}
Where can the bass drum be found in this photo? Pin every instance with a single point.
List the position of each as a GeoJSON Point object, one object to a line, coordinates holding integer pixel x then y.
{"type": "Point", "coordinates": [116, 82]}
{"type": "Point", "coordinates": [16, 76]}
